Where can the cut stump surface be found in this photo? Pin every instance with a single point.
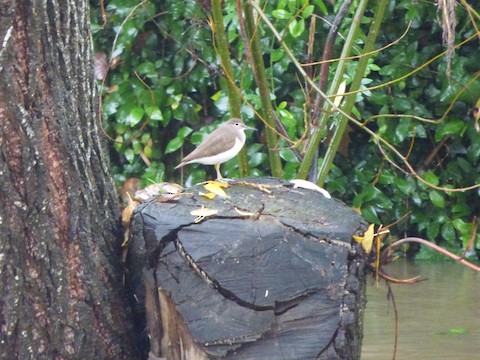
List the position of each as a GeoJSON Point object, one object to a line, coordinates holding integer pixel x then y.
{"type": "Point", "coordinates": [274, 274]}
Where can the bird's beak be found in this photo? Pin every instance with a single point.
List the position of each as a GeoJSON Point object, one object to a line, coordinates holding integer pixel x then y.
{"type": "Point", "coordinates": [249, 128]}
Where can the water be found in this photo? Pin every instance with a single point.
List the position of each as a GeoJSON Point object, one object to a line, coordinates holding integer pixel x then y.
{"type": "Point", "coordinates": [437, 319]}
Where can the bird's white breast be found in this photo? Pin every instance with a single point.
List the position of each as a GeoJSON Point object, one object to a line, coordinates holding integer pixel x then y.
{"type": "Point", "coordinates": [225, 156]}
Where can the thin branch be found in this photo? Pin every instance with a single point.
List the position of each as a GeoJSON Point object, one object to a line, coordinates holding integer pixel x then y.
{"type": "Point", "coordinates": [387, 253]}
{"type": "Point", "coordinates": [364, 54]}
{"type": "Point", "coordinates": [471, 240]}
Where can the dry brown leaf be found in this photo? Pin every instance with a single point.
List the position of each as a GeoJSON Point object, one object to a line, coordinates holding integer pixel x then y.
{"type": "Point", "coordinates": [156, 189]}
{"type": "Point", "coordinates": [168, 197]}
{"type": "Point", "coordinates": [128, 189]}
{"type": "Point", "coordinates": [171, 188]}
{"type": "Point", "coordinates": [127, 213]}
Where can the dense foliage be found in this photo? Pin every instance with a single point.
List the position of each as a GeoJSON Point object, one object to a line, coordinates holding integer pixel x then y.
{"type": "Point", "coordinates": [168, 89]}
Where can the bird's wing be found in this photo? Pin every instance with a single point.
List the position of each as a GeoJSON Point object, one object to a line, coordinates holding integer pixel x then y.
{"type": "Point", "coordinates": [220, 139]}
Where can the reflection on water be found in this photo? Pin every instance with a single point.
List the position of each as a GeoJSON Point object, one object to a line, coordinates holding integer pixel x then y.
{"type": "Point", "coordinates": [432, 314]}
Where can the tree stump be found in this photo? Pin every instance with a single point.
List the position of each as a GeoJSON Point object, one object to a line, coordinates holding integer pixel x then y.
{"type": "Point", "coordinates": [274, 274]}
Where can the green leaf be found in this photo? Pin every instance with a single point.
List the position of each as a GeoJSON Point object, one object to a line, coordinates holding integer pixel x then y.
{"type": "Point", "coordinates": [461, 209]}
{"type": "Point", "coordinates": [129, 155]}
{"type": "Point", "coordinates": [448, 232]}
{"type": "Point", "coordinates": [135, 116]}
{"type": "Point", "coordinates": [174, 145]}
{"type": "Point", "coordinates": [110, 106]}
{"type": "Point", "coordinates": [286, 118]}
{"type": "Point", "coordinates": [154, 113]}
{"type": "Point", "coordinates": [462, 226]}
{"type": "Point", "coordinates": [147, 68]}
{"type": "Point", "coordinates": [296, 28]}
{"type": "Point", "coordinates": [321, 6]}
{"type": "Point", "coordinates": [217, 95]}
{"type": "Point", "coordinates": [281, 4]}
{"type": "Point", "coordinates": [155, 172]}
{"type": "Point", "coordinates": [287, 155]}
{"type": "Point", "coordinates": [277, 54]}
{"type": "Point", "coordinates": [184, 132]}
{"type": "Point", "coordinates": [281, 14]}
{"type": "Point", "coordinates": [175, 101]}
{"type": "Point", "coordinates": [255, 159]}
{"type": "Point", "coordinates": [402, 105]}
{"type": "Point", "coordinates": [432, 231]}
{"type": "Point", "coordinates": [386, 178]}
{"type": "Point", "coordinates": [137, 147]}
{"type": "Point", "coordinates": [165, 80]}
{"type": "Point", "coordinates": [369, 193]}
{"type": "Point", "coordinates": [473, 152]}
{"type": "Point", "coordinates": [308, 11]}
{"type": "Point", "coordinates": [437, 198]}
{"type": "Point", "coordinates": [197, 137]}
{"type": "Point", "coordinates": [402, 130]}
{"type": "Point", "coordinates": [290, 171]}
{"type": "Point", "coordinates": [118, 143]}
{"type": "Point", "coordinates": [147, 150]}
{"type": "Point", "coordinates": [370, 214]}
{"type": "Point", "coordinates": [464, 165]}
{"type": "Point", "coordinates": [404, 185]}
{"type": "Point", "coordinates": [431, 178]}
{"type": "Point", "coordinates": [118, 51]}
{"type": "Point", "coordinates": [450, 127]}
{"type": "Point", "coordinates": [292, 5]}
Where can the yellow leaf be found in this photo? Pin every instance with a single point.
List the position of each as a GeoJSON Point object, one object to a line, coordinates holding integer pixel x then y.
{"type": "Point", "coordinates": [341, 89]}
{"type": "Point", "coordinates": [367, 239]}
{"type": "Point", "coordinates": [209, 195]}
{"type": "Point", "coordinates": [216, 188]}
{"type": "Point", "coordinates": [357, 210]}
{"type": "Point", "coordinates": [221, 184]}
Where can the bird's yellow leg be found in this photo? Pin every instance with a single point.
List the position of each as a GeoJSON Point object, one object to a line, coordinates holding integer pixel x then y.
{"type": "Point", "coordinates": [219, 174]}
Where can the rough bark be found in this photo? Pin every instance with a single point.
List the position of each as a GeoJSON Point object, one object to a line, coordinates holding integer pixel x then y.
{"type": "Point", "coordinates": [61, 294]}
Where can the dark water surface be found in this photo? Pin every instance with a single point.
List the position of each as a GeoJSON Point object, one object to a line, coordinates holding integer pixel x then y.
{"type": "Point", "coordinates": [438, 318]}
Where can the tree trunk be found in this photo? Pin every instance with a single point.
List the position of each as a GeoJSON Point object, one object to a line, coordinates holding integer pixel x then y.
{"type": "Point", "coordinates": [61, 294]}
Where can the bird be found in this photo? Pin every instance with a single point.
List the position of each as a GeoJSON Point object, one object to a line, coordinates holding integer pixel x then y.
{"type": "Point", "coordinates": [223, 144]}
